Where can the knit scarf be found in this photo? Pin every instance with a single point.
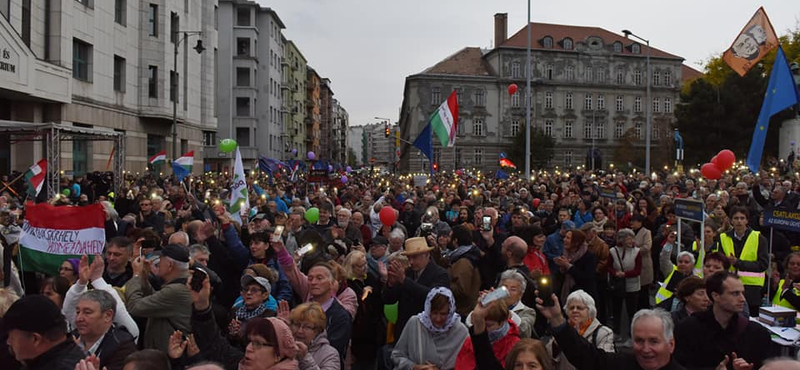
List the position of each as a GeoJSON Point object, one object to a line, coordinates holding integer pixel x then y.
{"type": "Point", "coordinates": [498, 333]}
{"type": "Point", "coordinates": [453, 255]}
{"type": "Point", "coordinates": [243, 314]}
{"type": "Point", "coordinates": [425, 316]}
{"type": "Point", "coordinates": [569, 281]}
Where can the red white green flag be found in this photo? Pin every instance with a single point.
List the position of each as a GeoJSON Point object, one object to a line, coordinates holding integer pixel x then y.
{"type": "Point", "coordinates": [52, 234]}
{"type": "Point", "coordinates": [444, 121]}
{"type": "Point", "coordinates": [35, 177]}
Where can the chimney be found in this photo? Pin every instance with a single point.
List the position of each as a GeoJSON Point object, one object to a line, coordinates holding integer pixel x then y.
{"type": "Point", "coordinates": [500, 28]}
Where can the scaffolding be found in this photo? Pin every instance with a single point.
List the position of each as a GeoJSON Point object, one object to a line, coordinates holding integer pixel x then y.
{"type": "Point", "coordinates": [52, 134]}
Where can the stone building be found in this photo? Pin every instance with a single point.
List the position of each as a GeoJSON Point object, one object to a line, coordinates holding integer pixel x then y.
{"type": "Point", "coordinates": [107, 65]}
{"type": "Point", "coordinates": [588, 91]}
{"type": "Point", "coordinates": [326, 120]}
{"type": "Point", "coordinates": [379, 150]}
{"type": "Point", "coordinates": [339, 132]}
{"type": "Point", "coordinates": [355, 141]}
{"type": "Point", "coordinates": [294, 101]}
{"type": "Point", "coordinates": [313, 103]}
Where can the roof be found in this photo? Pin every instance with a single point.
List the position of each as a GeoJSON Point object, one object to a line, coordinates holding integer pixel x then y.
{"type": "Point", "coordinates": [689, 73]}
{"type": "Point", "coordinates": [466, 62]}
{"type": "Point", "coordinates": [578, 34]}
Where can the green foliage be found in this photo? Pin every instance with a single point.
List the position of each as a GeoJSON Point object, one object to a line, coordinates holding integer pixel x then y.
{"type": "Point", "coordinates": [351, 157]}
{"type": "Point", "coordinates": [541, 149]}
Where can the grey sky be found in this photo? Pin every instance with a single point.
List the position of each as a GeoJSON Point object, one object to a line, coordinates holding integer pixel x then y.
{"type": "Point", "coordinates": [368, 47]}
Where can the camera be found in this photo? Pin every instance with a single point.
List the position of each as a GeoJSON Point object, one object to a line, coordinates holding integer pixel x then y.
{"type": "Point", "coordinates": [425, 229]}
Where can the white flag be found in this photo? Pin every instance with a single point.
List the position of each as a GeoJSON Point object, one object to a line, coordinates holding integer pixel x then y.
{"type": "Point", "coordinates": [239, 199]}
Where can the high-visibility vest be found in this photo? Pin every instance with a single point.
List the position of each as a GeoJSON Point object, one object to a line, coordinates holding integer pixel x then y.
{"type": "Point", "coordinates": [701, 256]}
{"type": "Point", "coordinates": [663, 293]}
{"type": "Point", "coordinates": [777, 300]}
{"type": "Point", "coordinates": [749, 253]}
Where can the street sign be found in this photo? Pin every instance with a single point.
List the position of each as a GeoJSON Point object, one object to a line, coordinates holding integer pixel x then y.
{"type": "Point", "coordinates": [689, 209]}
{"type": "Point", "coordinates": [782, 220]}
{"type": "Point", "coordinates": [608, 193]}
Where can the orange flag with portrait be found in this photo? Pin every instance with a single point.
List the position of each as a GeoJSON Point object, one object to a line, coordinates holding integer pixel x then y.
{"type": "Point", "coordinates": [753, 43]}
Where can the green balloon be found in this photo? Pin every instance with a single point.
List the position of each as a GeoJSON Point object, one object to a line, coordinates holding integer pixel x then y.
{"type": "Point", "coordinates": [227, 145]}
{"type": "Point", "coordinates": [66, 192]}
{"type": "Point", "coordinates": [312, 215]}
{"type": "Point", "coordinates": [390, 311]}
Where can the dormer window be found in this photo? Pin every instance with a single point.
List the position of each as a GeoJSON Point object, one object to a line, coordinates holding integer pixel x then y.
{"type": "Point", "coordinates": [547, 42]}
{"type": "Point", "coordinates": [636, 49]}
{"type": "Point", "coordinates": [567, 43]}
{"type": "Point", "coordinates": [617, 47]}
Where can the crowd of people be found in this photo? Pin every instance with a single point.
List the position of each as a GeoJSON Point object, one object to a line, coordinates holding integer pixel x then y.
{"type": "Point", "coordinates": [381, 272]}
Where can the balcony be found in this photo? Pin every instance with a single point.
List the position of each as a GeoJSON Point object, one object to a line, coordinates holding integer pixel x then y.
{"type": "Point", "coordinates": [284, 62]}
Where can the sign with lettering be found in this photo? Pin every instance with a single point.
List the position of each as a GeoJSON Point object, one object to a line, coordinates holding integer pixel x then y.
{"type": "Point", "coordinates": [689, 209]}
{"type": "Point", "coordinates": [608, 193]}
{"type": "Point", "coordinates": [9, 59]}
{"type": "Point", "coordinates": [783, 220]}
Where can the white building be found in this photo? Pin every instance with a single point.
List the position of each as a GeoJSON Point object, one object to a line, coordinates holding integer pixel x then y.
{"type": "Point", "coordinates": [355, 141]}
{"type": "Point", "coordinates": [107, 65]}
{"type": "Point", "coordinates": [250, 78]}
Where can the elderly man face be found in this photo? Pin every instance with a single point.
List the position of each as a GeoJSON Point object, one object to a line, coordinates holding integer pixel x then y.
{"type": "Point", "coordinates": [357, 219]}
{"type": "Point", "coordinates": [651, 349]}
{"type": "Point", "coordinates": [343, 218]}
{"type": "Point", "coordinates": [395, 244]}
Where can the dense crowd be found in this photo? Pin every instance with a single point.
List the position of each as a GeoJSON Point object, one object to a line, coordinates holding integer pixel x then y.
{"type": "Point", "coordinates": [579, 270]}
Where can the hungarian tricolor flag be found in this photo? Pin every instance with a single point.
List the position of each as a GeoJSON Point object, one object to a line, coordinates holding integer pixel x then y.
{"type": "Point", "coordinates": [182, 166]}
{"type": "Point", "coordinates": [159, 157]}
{"type": "Point", "coordinates": [52, 234]}
{"type": "Point", "coordinates": [35, 177]}
{"type": "Point", "coordinates": [444, 121]}
{"type": "Point", "coordinates": [505, 162]}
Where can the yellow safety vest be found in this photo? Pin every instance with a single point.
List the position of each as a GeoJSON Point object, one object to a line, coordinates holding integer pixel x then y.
{"type": "Point", "coordinates": [777, 300]}
{"type": "Point", "coordinates": [749, 253]}
{"type": "Point", "coordinates": [663, 293]}
{"type": "Point", "coordinates": [701, 256]}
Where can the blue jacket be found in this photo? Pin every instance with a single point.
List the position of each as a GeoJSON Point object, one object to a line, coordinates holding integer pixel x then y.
{"type": "Point", "coordinates": [582, 219]}
{"type": "Point", "coordinates": [553, 247]}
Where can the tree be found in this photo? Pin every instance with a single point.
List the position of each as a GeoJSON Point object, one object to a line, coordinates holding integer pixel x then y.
{"type": "Point", "coordinates": [351, 157]}
{"type": "Point", "coordinates": [541, 149]}
{"type": "Point", "coordinates": [628, 151]}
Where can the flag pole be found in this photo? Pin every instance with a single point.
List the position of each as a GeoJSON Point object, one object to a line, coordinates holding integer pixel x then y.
{"type": "Point", "coordinates": [7, 186]}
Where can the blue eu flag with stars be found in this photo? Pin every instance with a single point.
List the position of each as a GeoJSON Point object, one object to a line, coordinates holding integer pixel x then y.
{"type": "Point", "coordinates": [781, 94]}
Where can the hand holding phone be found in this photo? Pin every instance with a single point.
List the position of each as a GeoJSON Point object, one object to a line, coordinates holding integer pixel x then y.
{"type": "Point", "coordinates": [546, 291]}
{"type": "Point", "coordinates": [486, 224]}
{"type": "Point", "coordinates": [306, 248]}
{"type": "Point", "coordinates": [277, 234]}
{"type": "Point", "coordinates": [499, 293]}
{"type": "Point", "coordinates": [198, 278]}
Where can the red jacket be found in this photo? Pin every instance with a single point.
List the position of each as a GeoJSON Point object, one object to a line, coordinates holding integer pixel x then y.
{"type": "Point", "coordinates": [536, 260]}
{"type": "Point", "coordinates": [466, 357]}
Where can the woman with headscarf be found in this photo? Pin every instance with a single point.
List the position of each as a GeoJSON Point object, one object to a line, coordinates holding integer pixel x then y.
{"type": "Point", "coordinates": [576, 268]}
{"type": "Point", "coordinates": [69, 270]}
{"type": "Point", "coordinates": [432, 337]}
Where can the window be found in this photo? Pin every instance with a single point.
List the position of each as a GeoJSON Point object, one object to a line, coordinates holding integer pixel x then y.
{"type": "Point", "coordinates": [636, 49]}
{"type": "Point", "coordinates": [667, 105]}
{"type": "Point", "coordinates": [209, 138]}
{"type": "Point", "coordinates": [654, 134]}
{"type": "Point", "coordinates": [637, 104]}
{"type": "Point", "coordinates": [637, 130]}
{"type": "Point", "coordinates": [656, 105]}
{"type": "Point", "coordinates": [174, 27]}
{"type": "Point", "coordinates": [243, 136]}
{"type": "Point", "coordinates": [567, 44]}
{"type": "Point", "coordinates": [568, 101]}
{"type": "Point", "coordinates": [568, 128]}
{"type": "Point", "coordinates": [243, 17]}
{"type": "Point", "coordinates": [514, 127]}
{"type": "Point", "coordinates": [477, 127]}
{"type": "Point", "coordinates": [459, 94]}
{"type": "Point", "coordinates": [478, 157]}
{"type": "Point", "coordinates": [587, 102]}
{"type": "Point", "coordinates": [216, 17]}
{"type": "Point", "coordinates": [515, 100]}
{"type": "Point", "coordinates": [460, 127]}
{"type": "Point", "coordinates": [589, 74]}
{"type": "Point", "coordinates": [600, 130]}
{"type": "Point", "coordinates": [601, 102]}
{"type": "Point", "coordinates": [436, 96]}
{"type": "Point", "coordinates": [243, 46]}
{"type": "Point", "coordinates": [601, 75]}
{"type": "Point", "coordinates": [637, 77]}
{"type": "Point", "coordinates": [548, 127]}
{"type": "Point", "coordinates": [243, 107]}
{"type": "Point", "coordinates": [81, 60]}
{"type": "Point", "coordinates": [515, 71]}
{"type": "Point", "coordinates": [617, 47]}
{"type": "Point", "coordinates": [152, 20]}
{"type": "Point", "coordinates": [242, 77]}
{"type": "Point", "coordinates": [620, 77]}
{"type": "Point", "coordinates": [619, 130]}
{"type": "Point", "coordinates": [569, 73]}
{"type": "Point", "coordinates": [120, 11]}
{"type": "Point", "coordinates": [173, 86]}
{"type": "Point", "coordinates": [620, 103]}
{"type": "Point", "coordinates": [152, 81]}
{"type": "Point", "coordinates": [656, 78]}
{"type": "Point", "coordinates": [548, 72]}
{"type": "Point", "coordinates": [568, 158]}
{"type": "Point", "coordinates": [548, 100]}
{"type": "Point", "coordinates": [86, 3]}
{"type": "Point", "coordinates": [80, 154]}
{"type": "Point", "coordinates": [547, 42]}
{"type": "Point", "coordinates": [668, 78]}
{"type": "Point", "coordinates": [119, 73]}
{"type": "Point", "coordinates": [480, 98]}
{"type": "Point", "coordinates": [587, 129]}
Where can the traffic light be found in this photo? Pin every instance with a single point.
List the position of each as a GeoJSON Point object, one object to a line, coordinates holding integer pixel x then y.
{"type": "Point", "coordinates": [386, 131]}
{"type": "Point", "coordinates": [436, 167]}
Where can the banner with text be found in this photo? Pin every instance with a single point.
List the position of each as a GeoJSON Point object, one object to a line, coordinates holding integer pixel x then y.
{"type": "Point", "coordinates": [52, 234]}
{"type": "Point", "coordinates": [689, 209]}
{"type": "Point", "coordinates": [782, 220]}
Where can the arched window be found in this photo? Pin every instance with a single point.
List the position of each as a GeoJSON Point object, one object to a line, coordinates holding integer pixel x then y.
{"type": "Point", "coordinates": [547, 42]}
{"type": "Point", "coordinates": [636, 49]}
{"type": "Point", "coordinates": [567, 43]}
{"type": "Point", "coordinates": [617, 47]}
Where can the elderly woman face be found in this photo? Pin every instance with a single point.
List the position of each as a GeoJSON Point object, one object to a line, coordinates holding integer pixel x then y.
{"type": "Point", "coordinates": [304, 331]}
{"type": "Point", "coordinates": [628, 242]}
{"type": "Point", "coordinates": [578, 312]}
{"type": "Point", "coordinates": [254, 295]}
{"type": "Point", "coordinates": [514, 289]}
{"type": "Point", "coordinates": [685, 265]}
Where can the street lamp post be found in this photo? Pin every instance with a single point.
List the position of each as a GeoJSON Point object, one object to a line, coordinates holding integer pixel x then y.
{"type": "Point", "coordinates": [528, 99]}
{"type": "Point", "coordinates": [199, 48]}
{"type": "Point", "coordinates": [648, 104]}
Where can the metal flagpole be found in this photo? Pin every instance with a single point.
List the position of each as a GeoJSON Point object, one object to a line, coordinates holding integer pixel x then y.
{"type": "Point", "coordinates": [528, 100]}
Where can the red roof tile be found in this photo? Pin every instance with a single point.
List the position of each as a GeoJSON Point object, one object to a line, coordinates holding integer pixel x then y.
{"type": "Point", "coordinates": [466, 62]}
{"type": "Point", "coordinates": [578, 34]}
{"type": "Point", "coordinates": [689, 73]}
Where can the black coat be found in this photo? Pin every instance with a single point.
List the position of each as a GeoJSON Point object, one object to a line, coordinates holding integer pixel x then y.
{"type": "Point", "coordinates": [63, 356]}
{"type": "Point", "coordinates": [583, 272]}
{"type": "Point", "coordinates": [700, 342]}
{"type": "Point", "coordinates": [410, 295]}
{"type": "Point", "coordinates": [117, 344]}
{"type": "Point", "coordinates": [339, 328]}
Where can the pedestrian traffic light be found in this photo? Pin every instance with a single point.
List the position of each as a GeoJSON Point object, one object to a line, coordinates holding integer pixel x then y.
{"type": "Point", "coordinates": [387, 132]}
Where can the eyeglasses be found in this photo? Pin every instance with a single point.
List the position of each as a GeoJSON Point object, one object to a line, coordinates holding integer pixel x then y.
{"type": "Point", "coordinates": [259, 345]}
{"type": "Point", "coordinates": [305, 327]}
{"type": "Point", "coordinates": [253, 290]}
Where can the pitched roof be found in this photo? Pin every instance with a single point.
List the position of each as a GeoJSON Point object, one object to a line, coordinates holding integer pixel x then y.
{"type": "Point", "coordinates": [689, 73]}
{"type": "Point", "coordinates": [578, 34]}
{"type": "Point", "coordinates": [466, 62]}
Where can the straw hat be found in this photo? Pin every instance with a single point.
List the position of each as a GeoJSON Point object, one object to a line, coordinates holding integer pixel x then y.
{"type": "Point", "coordinates": [414, 246]}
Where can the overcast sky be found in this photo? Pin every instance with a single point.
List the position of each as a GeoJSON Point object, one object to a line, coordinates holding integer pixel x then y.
{"type": "Point", "coordinates": [368, 47]}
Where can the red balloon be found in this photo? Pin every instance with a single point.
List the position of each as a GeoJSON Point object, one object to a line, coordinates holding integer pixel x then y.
{"type": "Point", "coordinates": [715, 161]}
{"type": "Point", "coordinates": [512, 89]}
{"type": "Point", "coordinates": [711, 171]}
{"type": "Point", "coordinates": [388, 216]}
{"type": "Point", "coordinates": [725, 159]}
{"type": "Point", "coordinates": [536, 202]}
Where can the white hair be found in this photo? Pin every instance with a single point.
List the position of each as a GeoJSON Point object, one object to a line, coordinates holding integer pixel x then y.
{"type": "Point", "coordinates": [513, 274]}
{"type": "Point", "coordinates": [687, 253]}
{"type": "Point", "coordinates": [182, 235]}
{"type": "Point", "coordinates": [658, 313]}
{"type": "Point", "coordinates": [182, 266]}
{"type": "Point", "coordinates": [584, 297]}
{"type": "Point", "coordinates": [397, 233]}
{"type": "Point", "coordinates": [109, 208]}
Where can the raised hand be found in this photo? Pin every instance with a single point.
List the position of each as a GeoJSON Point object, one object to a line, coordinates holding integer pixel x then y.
{"type": "Point", "coordinates": [176, 345]}
{"type": "Point", "coordinates": [83, 270]}
{"type": "Point", "coordinates": [283, 311]}
{"type": "Point", "coordinates": [200, 300]}
{"type": "Point", "coordinates": [551, 313]}
{"type": "Point", "coordinates": [192, 349]}
{"type": "Point", "coordinates": [97, 268]}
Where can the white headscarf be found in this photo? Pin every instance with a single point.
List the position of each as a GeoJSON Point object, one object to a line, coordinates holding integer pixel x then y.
{"type": "Point", "coordinates": [425, 316]}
